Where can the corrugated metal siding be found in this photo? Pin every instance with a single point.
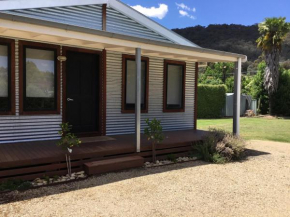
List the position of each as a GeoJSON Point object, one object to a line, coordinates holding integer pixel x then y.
{"type": "Point", "coordinates": [29, 128]}
{"type": "Point", "coordinates": [44, 127]}
{"type": "Point", "coordinates": [120, 123]}
{"type": "Point", "coordinates": [16, 78]}
{"type": "Point", "coordinates": [15, 128]}
{"type": "Point", "coordinates": [120, 23]}
{"type": "Point", "coordinates": [90, 16]}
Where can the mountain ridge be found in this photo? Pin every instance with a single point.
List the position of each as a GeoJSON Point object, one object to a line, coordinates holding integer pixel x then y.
{"type": "Point", "coordinates": [231, 38]}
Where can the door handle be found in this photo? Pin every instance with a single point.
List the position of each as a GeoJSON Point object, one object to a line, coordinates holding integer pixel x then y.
{"type": "Point", "coordinates": [69, 99]}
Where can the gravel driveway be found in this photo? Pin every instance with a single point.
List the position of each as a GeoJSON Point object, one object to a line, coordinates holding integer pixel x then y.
{"type": "Point", "coordinates": [259, 186]}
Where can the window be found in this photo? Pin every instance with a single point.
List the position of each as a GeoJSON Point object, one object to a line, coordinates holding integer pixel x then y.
{"type": "Point", "coordinates": [174, 86]}
{"type": "Point", "coordinates": [40, 78]}
{"type": "Point", "coordinates": [6, 77]}
{"type": "Point", "coordinates": [129, 84]}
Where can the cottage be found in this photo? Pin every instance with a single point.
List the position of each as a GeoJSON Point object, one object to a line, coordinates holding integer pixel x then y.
{"type": "Point", "coordinates": [99, 65]}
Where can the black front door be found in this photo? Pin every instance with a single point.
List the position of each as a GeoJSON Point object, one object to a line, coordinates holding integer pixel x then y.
{"type": "Point", "coordinates": [82, 91]}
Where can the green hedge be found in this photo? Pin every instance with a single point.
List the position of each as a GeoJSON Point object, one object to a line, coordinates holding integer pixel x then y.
{"type": "Point", "coordinates": [210, 101]}
{"type": "Point", "coordinates": [281, 99]}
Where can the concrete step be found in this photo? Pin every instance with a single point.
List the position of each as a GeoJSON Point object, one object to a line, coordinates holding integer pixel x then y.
{"type": "Point", "coordinates": [113, 165]}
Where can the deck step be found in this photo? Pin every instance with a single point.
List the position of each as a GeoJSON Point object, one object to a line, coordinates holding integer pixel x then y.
{"type": "Point", "coordinates": [113, 165]}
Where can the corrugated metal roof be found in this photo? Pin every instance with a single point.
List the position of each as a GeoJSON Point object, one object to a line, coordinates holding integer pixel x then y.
{"type": "Point", "coordinates": [90, 16]}
{"type": "Point", "coordinates": [119, 23]}
{"type": "Point", "coordinates": [82, 16]}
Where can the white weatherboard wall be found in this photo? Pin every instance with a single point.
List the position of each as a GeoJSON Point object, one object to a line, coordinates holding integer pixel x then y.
{"type": "Point", "coordinates": [121, 123]}
{"type": "Point", "coordinates": [17, 128]}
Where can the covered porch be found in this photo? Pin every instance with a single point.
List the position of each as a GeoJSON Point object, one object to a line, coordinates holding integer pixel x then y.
{"type": "Point", "coordinates": [66, 35]}
{"type": "Point", "coordinates": [30, 160]}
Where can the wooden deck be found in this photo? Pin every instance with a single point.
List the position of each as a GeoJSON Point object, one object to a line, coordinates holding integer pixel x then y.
{"type": "Point", "coordinates": [24, 160]}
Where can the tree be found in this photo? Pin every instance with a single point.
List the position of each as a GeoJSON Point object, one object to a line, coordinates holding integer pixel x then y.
{"type": "Point", "coordinates": [217, 73]}
{"type": "Point", "coordinates": [258, 91]}
{"type": "Point", "coordinates": [272, 33]}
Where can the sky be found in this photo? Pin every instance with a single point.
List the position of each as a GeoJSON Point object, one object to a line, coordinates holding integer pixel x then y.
{"type": "Point", "coordinates": [185, 13]}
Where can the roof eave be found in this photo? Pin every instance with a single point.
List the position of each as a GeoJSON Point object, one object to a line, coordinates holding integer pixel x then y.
{"type": "Point", "coordinates": [118, 36]}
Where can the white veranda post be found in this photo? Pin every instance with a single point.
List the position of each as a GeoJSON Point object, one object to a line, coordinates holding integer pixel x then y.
{"type": "Point", "coordinates": [237, 98]}
{"type": "Point", "coordinates": [138, 99]}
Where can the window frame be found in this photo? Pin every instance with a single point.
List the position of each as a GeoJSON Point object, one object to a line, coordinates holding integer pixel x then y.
{"type": "Point", "coordinates": [126, 57]}
{"type": "Point", "coordinates": [165, 85]}
{"type": "Point", "coordinates": [22, 77]}
{"type": "Point", "coordinates": [10, 43]}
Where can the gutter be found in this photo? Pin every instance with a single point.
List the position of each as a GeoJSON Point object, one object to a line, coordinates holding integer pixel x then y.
{"type": "Point", "coordinates": [117, 36]}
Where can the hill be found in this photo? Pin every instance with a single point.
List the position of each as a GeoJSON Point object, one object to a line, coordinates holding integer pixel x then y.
{"type": "Point", "coordinates": [232, 38]}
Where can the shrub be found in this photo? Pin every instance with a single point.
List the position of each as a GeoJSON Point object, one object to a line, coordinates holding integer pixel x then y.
{"type": "Point", "coordinates": [24, 186]}
{"type": "Point", "coordinates": [258, 90]}
{"type": "Point", "coordinates": [218, 159]}
{"type": "Point", "coordinates": [220, 147]}
{"type": "Point", "coordinates": [15, 184]}
{"type": "Point", "coordinates": [194, 154]}
{"type": "Point", "coordinates": [172, 157]}
{"type": "Point", "coordinates": [230, 84]}
{"type": "Point", "coordinates": [247, 81]}
{"type": "Point", "coordinates": [211, 101]}
{"type": "Point", "coordinates": [231, 147]}
{"type": "Point", "coordinates": [205, 150]}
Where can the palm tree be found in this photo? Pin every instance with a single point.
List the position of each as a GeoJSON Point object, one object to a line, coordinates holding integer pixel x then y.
{"type": "Point", "coordinates": [273, 32]}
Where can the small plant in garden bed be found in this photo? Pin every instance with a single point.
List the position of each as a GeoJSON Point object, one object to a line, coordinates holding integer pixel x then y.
{"type": "Point", "coordinates": [15, 184]}
{"type": "Point", "coordinates": [194, 154]}
{"type": "Point", "coordinates": [154, 133]}
{"type": "Point", "coordinates": [46, 180]}
{"type": "Point", "coordinates": [67, 142]}
{"type": "Point", "coordinates": [171, 159]}
{"type": "Point", "coordinates": [221, 147]}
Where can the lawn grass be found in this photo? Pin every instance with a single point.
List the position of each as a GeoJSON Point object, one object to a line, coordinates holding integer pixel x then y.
{"type": "Point", "coordinates": [273, 129]}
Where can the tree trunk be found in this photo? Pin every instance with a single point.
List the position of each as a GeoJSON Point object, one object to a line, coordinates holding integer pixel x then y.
{"type": "Point", "coordinates": [153, 152]}
{"type": "Point", "coordinates": [271, 78]}
{"type": "Point", "coordinates": [271, 104]}
{"type": "Point", "coordinates": [224, 77]}
{"type": "Point", "coordinates": [259, 106]}
{"type": "Point", "coordinates": [68, 164]}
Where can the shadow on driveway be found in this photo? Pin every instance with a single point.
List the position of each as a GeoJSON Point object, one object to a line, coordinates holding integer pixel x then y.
{"type": "Point", "coordinates": [104, 179]}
